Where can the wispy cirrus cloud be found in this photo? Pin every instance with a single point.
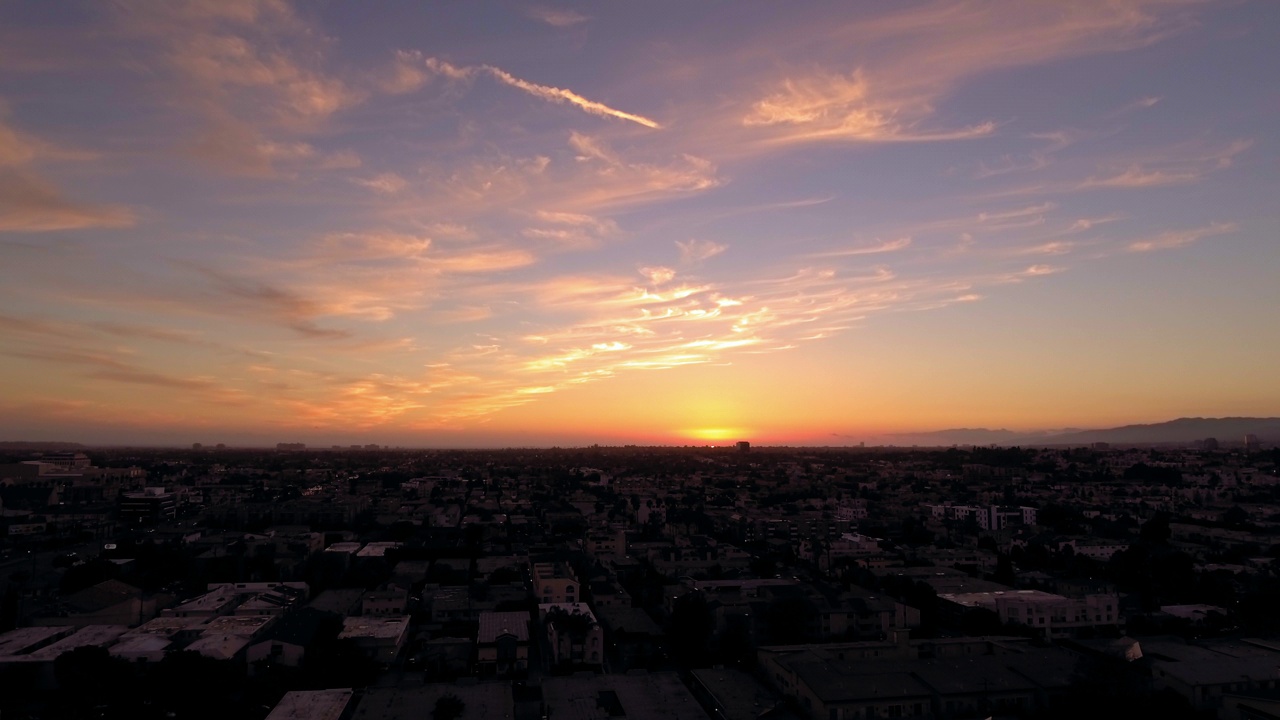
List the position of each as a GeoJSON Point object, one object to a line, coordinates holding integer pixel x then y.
{"type": "Point", "coordinates": [837, 107]}
{"type": "Point", "coordinates": [1056, 247]}
{"type": "Point", "coordinates": [223, 62]}
{"type": "Point", "coordinates": [695, 251]}
{"type": "Point", "coordinates": [254, 298]}
{"type": "Point", "coordinates": [885, 246]}
{"type": "Point", "coordinates": [571, 230]}
{"type": "Point", "coordinates": [899, 67]}
{"type": "Point", "coordinates": [1170, 166]}
{"type": "Point", "coordinates": [1036, 159]}
{"type": "Point", "coordinates": [387, 183]}
{"type": "Point", "coordinates": [1142, 103]}
{"type": "Point", "coordinates": [1018, 217]}
{"type": "Point", "coordinates": [584, 177]}
{"type": "Point", "coordinates": [102, 366]}
{"type": "Point", "coordinates": [236, 147]}
{"type": "Point", "coordinates": [601, 178]}
{"type": "Point", "coordinates": [408, 73]}
{"type": "Point", "coordinates": [251, 73]}
{"type": "Point", "coordinates": [1136, 177]}
{"type": "Point", "coordinates": [556, 17]}
{"type": "Point", "coordinates": [659, 275]}
{"type": "Point", "coordinates": [1179, 238]}
{"type": "Point", "coordinates": [618, 326]}
{"type": "Point", "coordinates": [30, 203]}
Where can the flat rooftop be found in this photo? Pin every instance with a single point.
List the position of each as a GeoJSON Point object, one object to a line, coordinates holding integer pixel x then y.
{"type": "Point", "coordinates": [312, 705]}
{"type": "Point", "coordinates": [210, 602]}
{"type": "Point", "coordinates": [24, 640]}
{"type": "Point", "coordinates": [247, 625]}
{"type": "Point", "coordinates": [169, 626]}
{"type": "Point", "coordinates": [136, 645]}
{"type": "Point", "coordinates": [482, 701]}
{"type": "Point", "coordinates": [220, 647]}
{"type": "Point", "coordinates": [644, 696]}
{"type": "Point", "coordinates": [96, 635]}
{"type": "Point", "coordinates": [377, 549]}
{"type": "Point", "coordinates": [738, 695]}
{"type": "Point", "coordinates": [990, 598]}
{"type": "Point", "coordinates": [371, 627]}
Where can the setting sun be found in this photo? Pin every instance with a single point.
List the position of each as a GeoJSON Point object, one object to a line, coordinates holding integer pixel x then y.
{"type": "Point", "coordinates": [719, 434]}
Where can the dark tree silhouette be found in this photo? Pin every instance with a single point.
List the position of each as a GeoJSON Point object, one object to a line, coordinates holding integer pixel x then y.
{"type": "Point", "coordinates": [691, 625]}
{"type": "Point", "coordinates": [448, 707]}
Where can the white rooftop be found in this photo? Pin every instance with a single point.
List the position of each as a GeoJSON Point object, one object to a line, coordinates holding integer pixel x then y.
{"type": "Point", "coordinates": [220, 647]}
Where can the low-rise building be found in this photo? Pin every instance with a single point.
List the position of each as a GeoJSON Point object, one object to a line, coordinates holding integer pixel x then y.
{"type": "Point", "coordinates": [110, 602]}
{"type": "Point", "coordinates": [729, 694]}
{"type": "Point", "coordinates": [287, 642]}
{"type": "Point", "coordinates": [1055, 615]}
{"type": "Point", "coordinates": [502, 642]}
{"type": "Point", "coordinates": [381, 639]}
{"type": "Point", "coordinates": [977, 685]}
{"type": "Point", "coordinates": [388, 602]}
{"type": "Point", "coordinates": [151, 506]}
{"type": "Point", "coordinates": [643, 696]}
{"type": "Point", "coordinates": [574, 635]}
{"type": "Point", "coordinates": [555, 583]}
{"type": "Point", "coordinates": [1204, 673]}
{"type": "Point", "coordinates": [482, 701]}
{"type": "Point", "coordinates": [312, 705]}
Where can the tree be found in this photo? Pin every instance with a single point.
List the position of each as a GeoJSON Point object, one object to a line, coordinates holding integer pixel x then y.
{"type": "Point", "coordinates": [736, 646]}
{"type": "Point", "coordinates": [1004, 570]}
{"type": "Point", "coordinates": [87, 575]}
{"type": "Point", "coordinates": [448, 707]}
{"type": "Point", "coordinates": [339, 663]}
{"type": "Point", "coordinates": [691, 623]}
{"type": "Point", "coordinates": [200, 686]}
{"type": "Point", "coordinates": [504, 576]}
{"type": "Point", "coordinates": [1156, 530]}
{"type": "Point", "coordinates": [89, 674]}
{"type": "Point", "coordinates": [787, 619]}
{"type": "Point", "coordinates": [1235, 517]}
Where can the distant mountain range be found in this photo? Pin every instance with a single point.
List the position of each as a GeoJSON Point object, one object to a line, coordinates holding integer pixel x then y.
{"type": "Point", "coordinates": [1182, 430]}
{"type": "Point", "coordinates": [1228, 431]}
{"type": "Point", "coordinates": [39, 445]}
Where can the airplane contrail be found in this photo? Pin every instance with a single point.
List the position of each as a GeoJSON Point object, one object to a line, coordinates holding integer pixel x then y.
{"type": "Point", "coordinates": [555, 94]}
{"type": "Point", "coordinates": [546, 92]}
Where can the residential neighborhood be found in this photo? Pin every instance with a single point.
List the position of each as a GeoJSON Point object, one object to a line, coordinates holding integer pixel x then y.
{"type": "Point", "coordinates": [700, 582]}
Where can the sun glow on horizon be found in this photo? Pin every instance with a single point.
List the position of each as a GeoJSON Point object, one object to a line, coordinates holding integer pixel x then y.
{"type": "Point", "coordinates": [715, 433]}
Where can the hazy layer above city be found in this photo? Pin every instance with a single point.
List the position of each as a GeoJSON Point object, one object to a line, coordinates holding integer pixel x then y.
{"type": "Point", "coordinates": [489, 224]}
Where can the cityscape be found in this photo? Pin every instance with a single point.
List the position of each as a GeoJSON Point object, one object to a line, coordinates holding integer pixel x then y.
{"type": "Point", "coordinates": [711, 361]}
{"type": "Point", "coordinates": [695, 582]}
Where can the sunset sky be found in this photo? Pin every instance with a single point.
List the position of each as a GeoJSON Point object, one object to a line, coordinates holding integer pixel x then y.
{"type": "Point", "coordinates": [498, 223]}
